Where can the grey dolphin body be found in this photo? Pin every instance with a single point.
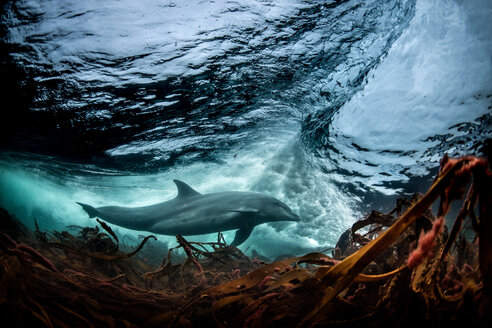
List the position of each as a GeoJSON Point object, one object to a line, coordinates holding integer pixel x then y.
{"type": "Point", "coordinates": [192, 213]}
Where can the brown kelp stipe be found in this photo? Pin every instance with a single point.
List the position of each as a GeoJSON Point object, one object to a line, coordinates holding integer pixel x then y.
{"type": "Point", "coordinates": [398, 269]}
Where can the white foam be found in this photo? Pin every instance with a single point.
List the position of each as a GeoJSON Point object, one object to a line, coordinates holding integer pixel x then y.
{"type": "Point", "coordinates": [435, 75]}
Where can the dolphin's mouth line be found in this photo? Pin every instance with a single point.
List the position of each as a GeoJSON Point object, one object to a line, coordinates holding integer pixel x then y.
{"type": "Point", "coordinates": [296, 218]}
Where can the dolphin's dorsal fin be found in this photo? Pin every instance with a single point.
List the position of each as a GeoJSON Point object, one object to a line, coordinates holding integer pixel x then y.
{"type": "Point", "coordinates": [184, 190]}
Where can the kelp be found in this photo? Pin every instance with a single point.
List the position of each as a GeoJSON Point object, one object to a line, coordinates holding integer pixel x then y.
{"type": "Point", "coordinates": [327, 283]}
{"type": "Point", "coordinates": [83, 279]}
{"type": "Point", "coordinates": [397, 269]}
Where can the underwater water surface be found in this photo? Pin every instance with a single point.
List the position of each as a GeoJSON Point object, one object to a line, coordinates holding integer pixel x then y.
{"type": "Point", "coordinates": [333, 107]}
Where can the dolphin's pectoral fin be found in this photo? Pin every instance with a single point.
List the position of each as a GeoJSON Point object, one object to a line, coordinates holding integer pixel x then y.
{"type": "Point", "coordinates": [241, 235]}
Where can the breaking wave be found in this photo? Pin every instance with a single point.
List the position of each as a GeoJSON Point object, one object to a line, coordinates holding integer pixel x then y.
{"type": "Point", "coordinates": [326, 105]}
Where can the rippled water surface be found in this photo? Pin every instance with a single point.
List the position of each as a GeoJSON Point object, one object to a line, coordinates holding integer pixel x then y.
{"type": "Point", "coordinates": [326, 105]}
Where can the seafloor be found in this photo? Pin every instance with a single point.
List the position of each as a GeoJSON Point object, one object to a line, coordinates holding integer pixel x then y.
{"type": "Point", "coordinates": [397, 269]}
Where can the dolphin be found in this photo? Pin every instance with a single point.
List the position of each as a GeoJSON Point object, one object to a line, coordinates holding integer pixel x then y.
{"type": "Point", "coordinates": [193, 213]}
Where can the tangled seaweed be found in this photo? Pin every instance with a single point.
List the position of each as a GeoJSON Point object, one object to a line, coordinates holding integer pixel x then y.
{"type": "Point", "coordinates": [399, 269]}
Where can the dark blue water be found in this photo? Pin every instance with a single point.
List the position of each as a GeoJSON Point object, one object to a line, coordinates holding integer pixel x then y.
{"type": "Point", "coordinates": [331, 106]}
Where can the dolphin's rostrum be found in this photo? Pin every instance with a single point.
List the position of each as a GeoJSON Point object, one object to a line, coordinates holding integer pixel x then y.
{"type": "Point", "coordinates": [192, 213]}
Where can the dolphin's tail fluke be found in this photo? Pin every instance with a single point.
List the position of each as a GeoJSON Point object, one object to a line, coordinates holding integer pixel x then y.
{"type": "Point", "coordinates": [93, 212]}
